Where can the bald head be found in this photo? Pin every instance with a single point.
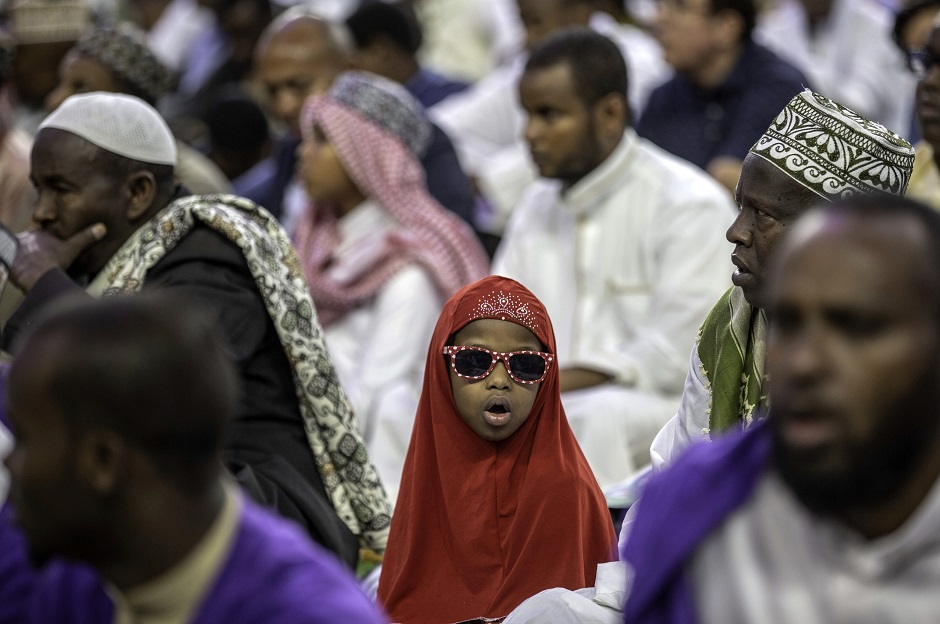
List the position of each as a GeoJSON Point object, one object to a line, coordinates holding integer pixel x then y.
{"type": "Point", "coordinates": [300, 55]}
{"type": "Point", "coordinates": [853, 348]}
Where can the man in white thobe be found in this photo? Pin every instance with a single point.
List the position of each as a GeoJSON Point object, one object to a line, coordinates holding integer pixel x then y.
{"type": "Point", "coordinates": [623, 244]}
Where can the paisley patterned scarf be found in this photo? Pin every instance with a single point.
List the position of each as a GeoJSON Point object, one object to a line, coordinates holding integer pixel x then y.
{"type": "Point", "coordinates": [349, 478]}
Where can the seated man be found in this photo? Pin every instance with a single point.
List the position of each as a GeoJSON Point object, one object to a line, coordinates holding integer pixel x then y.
{"type": "Point", "coordinates": [830, 510]}
{"type": "Point", "coordinates": [621, 241]}
{"type": "Point", "coordinates": [923, 61]}
{"type": "Point", "coordinates": [785, 172]}
{"type": "Point", "coordinates": [486, 121]}
{"type": "Point", "coordinates": [726, 88]}
{"type": "Point", "coordinates": [118, 60]}
{"type": "Point", "coordinates": [298, 56]}
{"type": "Point", "coordinates": [120, 409]}
{"type": "Point", "coordinates": [111, 221]}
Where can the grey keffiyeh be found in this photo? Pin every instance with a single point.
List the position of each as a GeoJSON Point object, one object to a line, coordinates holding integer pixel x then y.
{"type": "Point", "coordinates": [340, 454]}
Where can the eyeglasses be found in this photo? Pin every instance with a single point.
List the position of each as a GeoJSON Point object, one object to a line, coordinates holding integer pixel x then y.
{"type": "Point", "coordinates": [526, 367]}
{"type": "Point", "coordinates": [921, 61]}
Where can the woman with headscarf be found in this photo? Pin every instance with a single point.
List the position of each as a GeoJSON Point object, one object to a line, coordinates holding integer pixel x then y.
{"type": "Point", "coordinates": [497, 502]}
{"type": "Point", "coordinates": [380, 254]}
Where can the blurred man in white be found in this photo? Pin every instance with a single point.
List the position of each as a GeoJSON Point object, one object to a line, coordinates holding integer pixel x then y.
{"type": "Point", "coordinates": [621, 240]}
{"type": "Point", "coordinates": [486, 122]}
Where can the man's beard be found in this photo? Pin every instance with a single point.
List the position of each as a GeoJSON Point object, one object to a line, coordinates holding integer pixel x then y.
{"type": "Point", "coordinates": [878, 467]}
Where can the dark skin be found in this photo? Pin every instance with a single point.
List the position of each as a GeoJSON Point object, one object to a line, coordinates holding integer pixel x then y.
{"type": "Point", "coordinates": [124, 517]}
{"type": "Point", "coordinates": [769, 201]}
{"type": "Point", "coordinates": [853, 355]}
{"type": "Point", "coordinates": [569, 138]}
{"type": "Point", "coordinates": [928, 99]}
{"type": "Point", "coordinates": [84, 214]}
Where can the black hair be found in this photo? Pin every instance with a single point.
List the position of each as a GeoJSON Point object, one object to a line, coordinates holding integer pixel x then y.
{"type": "Point", "coordinates": [378, 19]}
{"type": "Point", "coordinates": [148, 367]}
{"type": "Point", "coordinates": [597, 65]}
{"type": "Point", "coordinates": [905, 15]}
{"type": "Point", "coordinates": [745, 8]}
{"type": "Point", "coordinates": [236, 122]}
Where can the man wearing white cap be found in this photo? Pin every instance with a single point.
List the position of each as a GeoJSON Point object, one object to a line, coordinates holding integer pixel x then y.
{"type": "Point", "coordinates": [112, 222]}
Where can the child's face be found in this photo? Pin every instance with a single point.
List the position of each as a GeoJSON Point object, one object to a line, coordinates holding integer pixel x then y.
{"type": "Point", "coordinates": [496, 406]}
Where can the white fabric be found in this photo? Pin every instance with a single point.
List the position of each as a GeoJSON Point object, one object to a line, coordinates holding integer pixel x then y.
{"type": "Point", "coordinates": [379, 349]}
{"type": "Point", "coordinates": [772, 562]}
{"type": "Point", "coordinates": [6, 446]}
{"type": "Point", "coordinates": [172, 36]}
{"type": "Point", "coordinates": [851, 58]}
{"type": "Point", "coordinates": [486, 122]}
{"type": "Point", "coordinates": [628, 263]}
{"type": "Point", "coordinates": [690, 424]}
{"type": "Point", "coordinates": [601, 604]}
{"type": "Point", "coordinates": [467, 39]}
{"type": "Point", "coordinates": [117, 123]}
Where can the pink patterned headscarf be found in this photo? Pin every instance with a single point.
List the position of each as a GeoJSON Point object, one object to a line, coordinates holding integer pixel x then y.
{"type": "Point", "coordinates": [377, 130]}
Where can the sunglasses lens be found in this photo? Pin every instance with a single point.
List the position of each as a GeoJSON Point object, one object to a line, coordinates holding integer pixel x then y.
{"type": "Point", "coordinates": [472, 363]}
{"type": "Point", "coordinates": [527, 366]}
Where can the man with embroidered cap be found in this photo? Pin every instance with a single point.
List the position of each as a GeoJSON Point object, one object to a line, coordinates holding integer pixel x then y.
{"type": "Point", "coordinates": [117, 59]}
{"type": "Point", "coordinates": [828, 510]}
{"type": "Point", "coordinates": [816, 149]}
{"type": "Point", "coordinates": [112, 221]}
{"type": "Point", "coordinates": [120, 508]}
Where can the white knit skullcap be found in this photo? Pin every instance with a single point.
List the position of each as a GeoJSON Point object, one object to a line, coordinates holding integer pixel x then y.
{"type": "Point", "coordinates": [117, 123]}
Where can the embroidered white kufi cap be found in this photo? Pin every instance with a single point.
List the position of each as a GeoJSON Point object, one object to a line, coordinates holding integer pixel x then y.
{"type": "Point", "coordinates": [118, 123]}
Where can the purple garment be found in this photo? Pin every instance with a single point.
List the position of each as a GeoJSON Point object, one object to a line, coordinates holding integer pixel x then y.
{"type": "Point", "coordinates": [273, 575]}
{"type": "Point", "coordinates": [679, 509]}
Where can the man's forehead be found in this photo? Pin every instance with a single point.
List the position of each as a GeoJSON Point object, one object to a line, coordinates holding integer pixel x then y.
{"type": "Point", "coordinates": [555, 79]}
{"type": "Point", "coordinates": [764, 184]}
{"type": "Point", "coordinates": [836, 258]}
{"type": "Point", "coordinates": [53, 146]}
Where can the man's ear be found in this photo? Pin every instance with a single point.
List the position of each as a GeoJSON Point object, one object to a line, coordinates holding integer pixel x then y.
{"type": "Point", "coordinates": [141, 188]}
{"type": "Point", "coordinates": [612, 115]}
{"type": "Point", "coordinates": [102, 460]}
{"type": "Point", "coordinates": [728, 28]}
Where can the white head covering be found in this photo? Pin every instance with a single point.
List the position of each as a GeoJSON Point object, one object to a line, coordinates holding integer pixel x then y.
{"type": "Point", "coordinates": [118, 123]}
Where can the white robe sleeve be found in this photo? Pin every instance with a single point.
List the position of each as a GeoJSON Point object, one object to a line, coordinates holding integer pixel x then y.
{"type": "Point", "coordinates": [690, 424]}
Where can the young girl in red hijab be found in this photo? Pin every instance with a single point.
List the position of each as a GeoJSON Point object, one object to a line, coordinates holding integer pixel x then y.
{"type": "Point", "coordinates": [497, 502]}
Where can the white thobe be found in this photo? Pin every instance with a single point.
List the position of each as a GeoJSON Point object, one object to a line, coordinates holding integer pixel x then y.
{"type": "Point", "coordinates": [628, 262]}
{"type": "Point", "coordinates": [772, 562]}
{"type": "Point", "coordinates": [379, 349]}
{"type": "Point", "coordinates": [467, 39]}
{"type": "Point", "coordinates": [486, 122]}
{"type": "Point", "coordinates": [851, 58]}
{"type": "Point", "coordinates": [690, 424]}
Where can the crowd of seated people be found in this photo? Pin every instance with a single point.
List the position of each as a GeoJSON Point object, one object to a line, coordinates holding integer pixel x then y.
{"type": "Point", "coordinates": [380, 311]}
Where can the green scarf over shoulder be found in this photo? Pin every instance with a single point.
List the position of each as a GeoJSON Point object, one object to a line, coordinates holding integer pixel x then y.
{"type": "Point", "coordinates": [731, 349]}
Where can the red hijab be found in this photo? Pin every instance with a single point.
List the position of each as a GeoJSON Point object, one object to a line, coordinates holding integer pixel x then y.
{"type": "Point", "coordinates": [480, 526]}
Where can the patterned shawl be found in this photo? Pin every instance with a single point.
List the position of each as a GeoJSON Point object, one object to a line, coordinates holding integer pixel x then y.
{"type": "Point", "coordinates": [375, 127]}
{"type": "Point", "coordinates": [731, 349]}
{"type": "Point", "coordinates": [340, 454]}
